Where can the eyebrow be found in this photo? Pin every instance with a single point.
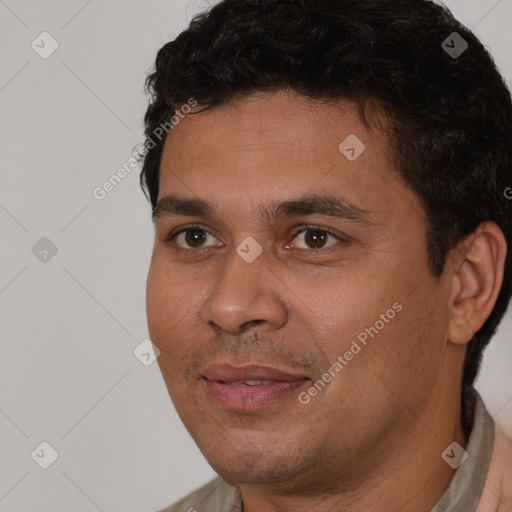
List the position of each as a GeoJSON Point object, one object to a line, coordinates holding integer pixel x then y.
{"type": "Point", "coordinates": [325, 205]}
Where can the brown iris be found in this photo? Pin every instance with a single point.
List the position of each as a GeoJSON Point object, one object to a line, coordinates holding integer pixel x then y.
{"type": "Point", "coordinates": [315, 238]}
{"type": "Point", "coordinates": [195, 237]}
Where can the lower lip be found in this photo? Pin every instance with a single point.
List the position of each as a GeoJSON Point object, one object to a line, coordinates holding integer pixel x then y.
{"type": "Point", "coordinates": [251, 397]}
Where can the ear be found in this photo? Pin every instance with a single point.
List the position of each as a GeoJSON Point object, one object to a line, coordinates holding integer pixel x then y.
{"type": "Point", "coordinates": [478, 266]}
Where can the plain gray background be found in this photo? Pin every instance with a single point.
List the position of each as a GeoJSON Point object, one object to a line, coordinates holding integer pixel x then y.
{"type": "Point", "coordinates": [70, 321]}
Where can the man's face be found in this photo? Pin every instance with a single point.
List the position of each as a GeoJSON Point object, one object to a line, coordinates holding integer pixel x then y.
{"type": "Point", "coordinates": [349, 285]}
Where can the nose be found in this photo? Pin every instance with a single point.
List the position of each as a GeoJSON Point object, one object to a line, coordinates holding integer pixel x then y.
{"type": "Point", "coordinates": [245, 295]}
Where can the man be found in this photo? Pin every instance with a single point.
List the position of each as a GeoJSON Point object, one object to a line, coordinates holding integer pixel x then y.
{"type": "Point", "coordinates": [330, 256]}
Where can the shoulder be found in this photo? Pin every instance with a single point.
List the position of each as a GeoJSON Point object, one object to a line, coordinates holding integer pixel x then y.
{"type": "Point", "coordinates": [497, 494]}
{"type": "Point", "coordinates": [215, 496]}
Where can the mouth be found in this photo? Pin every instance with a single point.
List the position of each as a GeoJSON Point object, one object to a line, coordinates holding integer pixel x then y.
{"type": "Point", "coordinates": [250, 387]}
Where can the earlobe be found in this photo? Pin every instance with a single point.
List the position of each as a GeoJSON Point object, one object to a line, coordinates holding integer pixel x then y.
{"type": "Point", "coordinates": [477, 278]}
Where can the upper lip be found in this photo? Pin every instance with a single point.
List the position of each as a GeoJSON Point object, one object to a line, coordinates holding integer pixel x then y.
{"type": "Point", "coordinates": [231, 373]}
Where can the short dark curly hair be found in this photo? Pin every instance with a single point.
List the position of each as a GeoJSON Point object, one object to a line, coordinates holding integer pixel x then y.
{"type": "Point", "coordinates": [450, 115]}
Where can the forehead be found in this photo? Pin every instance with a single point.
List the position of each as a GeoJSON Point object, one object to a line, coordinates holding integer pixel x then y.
{"type": "Point", "coordinates": [270, 146]}
{"type": "Point", "coordinates": [285, 121]}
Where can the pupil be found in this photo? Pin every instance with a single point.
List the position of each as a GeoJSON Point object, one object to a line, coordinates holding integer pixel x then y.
{"type": "Point", "coordinates": [195, 237]}
{"type": "Point", "coordinates": [315, 238]}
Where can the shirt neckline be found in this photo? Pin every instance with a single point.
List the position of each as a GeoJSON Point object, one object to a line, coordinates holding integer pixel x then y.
{"type": "Point", "coordinates": [466, 487]}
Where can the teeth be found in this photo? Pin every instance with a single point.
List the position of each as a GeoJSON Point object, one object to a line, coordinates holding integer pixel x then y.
{"type": "Point", "coordinates": [247, 383]}
{"type": "Point", "coordinates": [253, 382]}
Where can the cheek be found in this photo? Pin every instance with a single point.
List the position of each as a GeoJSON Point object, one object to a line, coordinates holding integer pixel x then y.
{"type": "Point", "coordinates": [374, 315]}
{"type": "Point", "coordinates": [345, 304]}
{"type": "Point", "coordinates": [173, 304]}
{"type": "Point", "coordinates": [165, 301]}
{"type": "Point", "coordinates": [407, 356]}
{"type": "Point", "coordinates": [156, 302]}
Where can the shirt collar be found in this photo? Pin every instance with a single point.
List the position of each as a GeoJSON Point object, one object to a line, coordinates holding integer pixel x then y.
{"type": "Point", "coordinates": [467, 484]}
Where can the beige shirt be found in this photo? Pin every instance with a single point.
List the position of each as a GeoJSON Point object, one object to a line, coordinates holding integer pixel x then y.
{"type": "Point", "coordinates": [483, 483]}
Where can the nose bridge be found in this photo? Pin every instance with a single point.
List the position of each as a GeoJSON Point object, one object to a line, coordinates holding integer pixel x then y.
{"type": "Point", "coordinates": [244, 294]}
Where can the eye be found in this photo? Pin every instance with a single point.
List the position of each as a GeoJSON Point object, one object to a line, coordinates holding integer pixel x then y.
{"type": "Point", "coordinates": [192, 237]}
{"type": "Point", "coordinates": [315, 238]}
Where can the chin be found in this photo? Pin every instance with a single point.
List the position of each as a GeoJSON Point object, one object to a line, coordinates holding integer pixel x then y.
{"type": "Point", "coordinates": [240, 475]}
{"type": "Point", "coordinates": [250, 467]}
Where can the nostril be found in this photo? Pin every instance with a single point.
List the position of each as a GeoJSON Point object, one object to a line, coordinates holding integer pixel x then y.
{"type": "Point", "coordinates": [251, 323]}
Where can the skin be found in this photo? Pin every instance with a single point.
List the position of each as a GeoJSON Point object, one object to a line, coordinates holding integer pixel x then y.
{"type": "Point", "coordinates": [372, 439]}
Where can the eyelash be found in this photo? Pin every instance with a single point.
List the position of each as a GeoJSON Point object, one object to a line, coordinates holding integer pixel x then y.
{"type": "Point", "coordinates": [306, 227]}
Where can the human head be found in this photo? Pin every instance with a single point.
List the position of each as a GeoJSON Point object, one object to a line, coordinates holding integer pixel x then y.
{"type": "Point", "coordinates": [451, 119]}
{"type": "Point", "coordinates": [442, 180]}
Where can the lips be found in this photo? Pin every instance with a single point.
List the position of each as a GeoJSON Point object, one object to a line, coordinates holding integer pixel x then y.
{"type": "Point", "coordinates": [228, 373]}
{"type": "Point", "coordinates": [249, 387]}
